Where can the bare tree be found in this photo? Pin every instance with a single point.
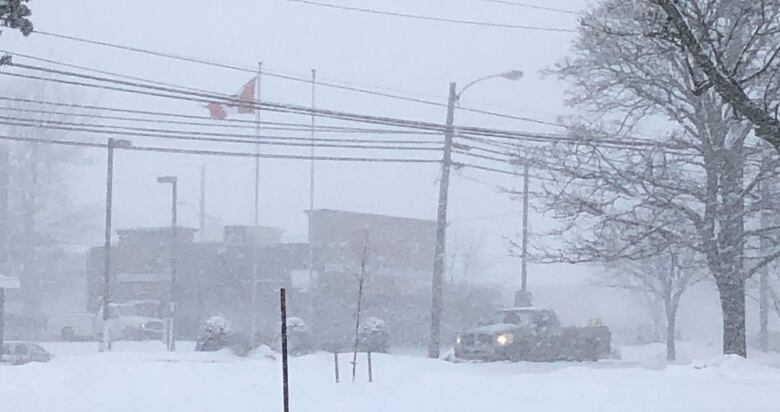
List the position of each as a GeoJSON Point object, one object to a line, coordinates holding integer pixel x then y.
{"type": "Point", "coordinates": [661, 279]}
{"type": "Point", "coordinates": [39, 215]}
{"type": "Point", "coordinates": [467, 257]}
{"type": "Point", "coordinates": [696, 189]}
{"type": "Point", "coordinates": [733, 47]}
{"type": "Point", "coordinates": [361, 281]}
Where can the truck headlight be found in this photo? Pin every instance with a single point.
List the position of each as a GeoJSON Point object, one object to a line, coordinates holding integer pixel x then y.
{"type": "Point", "coordinates": [457, 340]}
{"type": "Point", "coordinates": [504, 339]}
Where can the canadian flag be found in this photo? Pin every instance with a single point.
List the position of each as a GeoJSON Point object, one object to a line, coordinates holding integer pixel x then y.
{"type": "Point", "coordinates": [239, 103]}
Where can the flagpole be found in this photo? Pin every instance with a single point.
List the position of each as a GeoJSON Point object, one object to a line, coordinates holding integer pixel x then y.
{"type": "Point", "coordinates": [258, 134]}
{"type": "Point", "coordinates": [311, 176]}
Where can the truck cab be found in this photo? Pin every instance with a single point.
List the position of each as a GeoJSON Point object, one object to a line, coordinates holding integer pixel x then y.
{"type": "Point", "coordinates": [129, 320]}
{"type": "Point", "coordinates": [532, 334]}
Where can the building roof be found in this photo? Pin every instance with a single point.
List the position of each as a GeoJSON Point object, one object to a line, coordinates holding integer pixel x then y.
{"type": "Point", "coordinates": [347, 213]}
{"type": "Point", "coordinates": [155, 229]}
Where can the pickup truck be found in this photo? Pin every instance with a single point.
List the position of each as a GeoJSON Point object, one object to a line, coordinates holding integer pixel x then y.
{"type": "Point", "coordinates": [532, 334]}
{"type": "Point", "coordinates": [126, 321]}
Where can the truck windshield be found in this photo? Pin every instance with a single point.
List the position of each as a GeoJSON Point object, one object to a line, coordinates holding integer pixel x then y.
{"type": "Point", "coordinates": [126, 310]}
{"type": "Point", "coordinates": [515, 317]}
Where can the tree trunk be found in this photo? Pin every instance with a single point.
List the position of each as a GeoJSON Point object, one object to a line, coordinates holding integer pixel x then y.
{"type": "Point", "coordinates": [671, 333]}
{"type": "Point", "coordinates": [732, 303]}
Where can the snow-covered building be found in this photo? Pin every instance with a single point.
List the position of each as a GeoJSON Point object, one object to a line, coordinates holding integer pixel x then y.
{"type": "Point", "coordinates": [212, 277]}
{"type": "Point", "coordinates": [395, 256]}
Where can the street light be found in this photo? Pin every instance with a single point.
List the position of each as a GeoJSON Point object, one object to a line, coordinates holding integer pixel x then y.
{"type": "Point", "coordinates": [112, 143]}
{"type": "Point", "coordinates": [170, 335]}
{"type": "Point", "coordinates": [437, 283]}
{"type": "Point", "coordinates": [510, 75]}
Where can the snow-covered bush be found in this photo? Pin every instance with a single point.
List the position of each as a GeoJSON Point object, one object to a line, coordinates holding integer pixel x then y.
{"type": "Point", "coordinates": [216, 334]}
{"type": "Point", "coordinates": [373, 335]}
{"type": "Point", "coordinates": [299, 339]}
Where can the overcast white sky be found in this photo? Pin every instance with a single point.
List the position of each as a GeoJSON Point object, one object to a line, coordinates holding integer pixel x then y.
{"type": "Point", "coordinates": [409, 57]}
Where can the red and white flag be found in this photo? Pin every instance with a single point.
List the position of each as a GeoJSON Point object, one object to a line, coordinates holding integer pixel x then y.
{"type": "Point", "coordinates": [239, 103]}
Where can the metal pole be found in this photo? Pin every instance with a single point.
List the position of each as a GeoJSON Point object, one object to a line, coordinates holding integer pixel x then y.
{"type": "Point", "coordinates": [311, 176]}
{"type": "Point", "coordinates": [285, 373]}
{"type": "Point", "coordinates": [437, 283]}
{"type": "Point", "coordinates": [256, 216]}
{"type": "Point", "coordinates": [336, 365]}
{"type": "Point", "coordinates": [174, 253]}
{"type": "Point", "coordinates": [201, 237]}
{"type": "Point", "coordinates": [106, 341]}
{"type": "Point", "coordinates": [370, 370]}
{"type": "Point", "coordinates": [202, 204]}
{"type": "Point", "coordinates": [524, 274]}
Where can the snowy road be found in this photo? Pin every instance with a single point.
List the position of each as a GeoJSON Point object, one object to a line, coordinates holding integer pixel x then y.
{"type": "Point", "coordinates": [141, 377]}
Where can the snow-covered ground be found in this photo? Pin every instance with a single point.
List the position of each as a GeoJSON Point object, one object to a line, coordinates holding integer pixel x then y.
{"type": "Point", "coordinates": [142, 377]}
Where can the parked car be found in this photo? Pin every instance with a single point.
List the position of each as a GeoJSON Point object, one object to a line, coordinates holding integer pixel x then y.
{"type": "Point", "coordinates": [532, 334]}
{"type": "Point", "coordinates": [135, 320]}
{"type": "Point", "coordinates": [19, 353]}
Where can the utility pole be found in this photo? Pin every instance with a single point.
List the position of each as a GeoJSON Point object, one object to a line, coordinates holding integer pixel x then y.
{"type": "Point", "coordinates": [256, 216]}
{"type": "Point", "coordinates": [523, 297]}
{"type": "Point", "coordinates": [311, 177]}
{"type": "Point", "coordinates": [30, 280]}
{"type": "Point", "coordinates": [437, 283]}
{"type": "Point", "coordinates": [174, 246]}
{"type": "Point", "coordinates": [112, 143]}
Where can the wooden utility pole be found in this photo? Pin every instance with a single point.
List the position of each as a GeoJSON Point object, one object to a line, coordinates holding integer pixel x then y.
{"type": "Point", "coordinates": [256, 215]}
{"type": "Point", "coordinates": [105, 343]}
{"type": "Point", "coordinates": [437, 283]}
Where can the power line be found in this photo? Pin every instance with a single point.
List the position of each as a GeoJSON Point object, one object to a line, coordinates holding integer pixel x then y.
{"type": "Point", "coordinates": [199, 152]}
{"type": "Point", "coordinates": [193, 136]}
{"type": "Point", "coordinates": [464, 131]}
{"type": "Point", "coordinates": [233, 123]}
{"type": "Point", "coordinates": [265, 73]}
{"type": "Point", "coordinates": [253, 137]}
{"type": "Point", "coordinates": [431, 18]}
{"type": "Point", "coordinates": [210, 98]}
{"type": "Point", "coordinates": [531, 6]}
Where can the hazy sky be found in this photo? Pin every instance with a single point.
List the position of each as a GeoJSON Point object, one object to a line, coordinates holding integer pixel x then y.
{"type": "Point", "coordinates": [401, 56]}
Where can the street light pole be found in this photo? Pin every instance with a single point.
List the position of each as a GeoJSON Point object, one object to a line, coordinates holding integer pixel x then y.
{"type": "Point", "coordinates": [105, 343]}
{"type": "Point", "coordinates": [437, 282]}
{"type": "Point", "coordinates": [171, 335]}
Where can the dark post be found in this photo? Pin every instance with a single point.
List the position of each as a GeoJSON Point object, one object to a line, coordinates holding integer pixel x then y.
{"type": "Point", "coordinates": [336, 365]}
{"type": "Point", "coordinates": [285, 375]}
{"type": "Point", "coordinates": [370, 371]}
